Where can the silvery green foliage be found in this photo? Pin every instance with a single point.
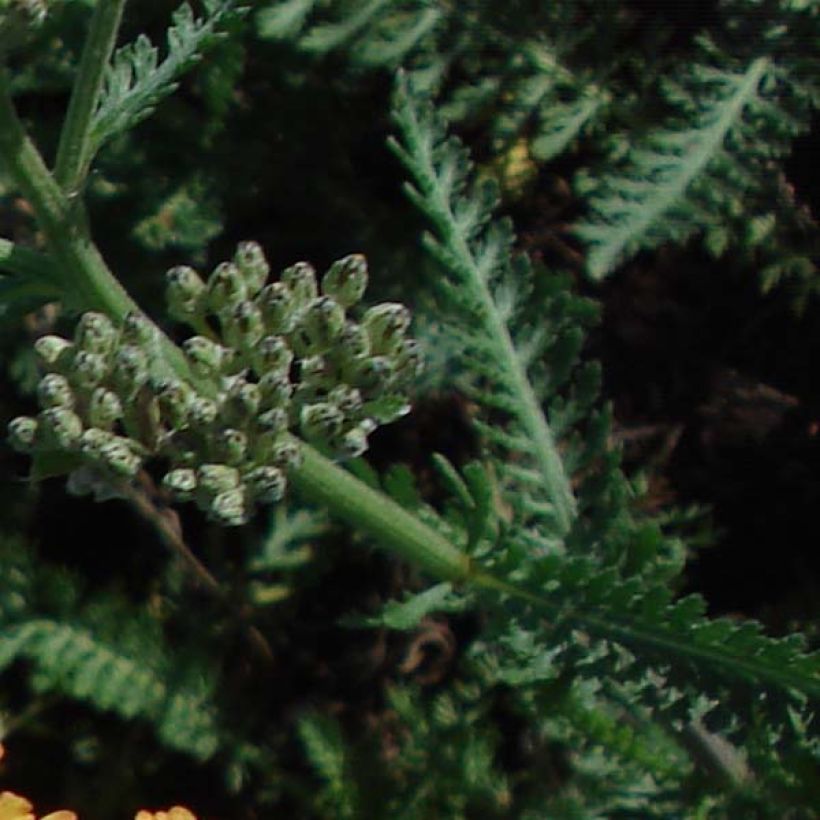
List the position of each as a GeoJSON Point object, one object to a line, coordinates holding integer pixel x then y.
{"type": "Point", "coordinates": [273, 363]}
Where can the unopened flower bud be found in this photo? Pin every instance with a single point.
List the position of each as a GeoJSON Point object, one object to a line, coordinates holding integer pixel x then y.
{"type": "Point", "coordinates": [231, 446]}
{"type": "Point", "coordinates": [226, 288]}
{"type": "Point", "coordinates": [87, 369]}
{"type": "Point", "coordinates": [275, 390]}
{"type": "Point", "coordinates": [139, 330]}
{"type": "Point", "coordinates": [285, 454]}
{"type": "Point", "coordinates": [347, 399]}
{"type": "Point", "coordinates": [272, 355]}
{"type": "Point", "coordinates": [54, 390]}
{"type": "Point", "coordinates": [202, 412]}
{"type": "Point", "coordinates": [58, 429]}
{"type": "Point", "coordinates": [104, 408]}
{"type": "Point", "coordinates": [267, 484]}
{"type": "Point", "coordinates": [130, 370]}
{"type": "Point", "coordinates": [317, 371]}
{"type": "Point", "coordinates": [184, 293]}
{"type": "Point", "coordinates": [120, 459]}
{"type": "Point", "coordinates": [276, 304]}
{"type": "Point", "coordinates": [301, 280]}
{"type": "Point", "coordinates": [174, 399]}
{"type": "Point", "coordinates": [52, 350]}
{"type": "Point", "coordinates": [408, 362]}
{"type": "Point", "coordinates": [206, 357]}
{"type": "Point", "coordinates": [242, 403]}
{"type": "Point", "coordinates": [372, 375]}
{"type": "Point", "coordinates": [273, 421]}
{"type": "Point", "coordinates": [23, 433]}
{"type": "Point", "coordinates": [319, 325]}
{"type": "Point", "coordinates": [350, 444]}
{"type": "Point", "coordinates": [95, 333]}
{"type": "Point", "coordinates": [229, 508]}
{"type": "Point", "coordinates": [346, 280]}
{"type": "Point", "coordinates": [213, 479]}
{"type": "Point", "coordinates": [250, 259]}
{"type": "Point", "coordinates": [320, 421]}
{"type": "Point", "coordinates": [243, 326]}
{"type": "Point", "coordinates": [386, 325]}
{"type": "Point", "coordinates": [181, 483]}
{"type": "Point", "coordinates": [93, 440]}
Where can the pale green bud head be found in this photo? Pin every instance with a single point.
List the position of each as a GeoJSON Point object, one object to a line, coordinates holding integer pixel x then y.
{"type": "Point", "coordinates": [275, 390]}
{"type": "Point", "coordinates": [206, 357]}
{"type": "Point", "coordinates": [250, 259]}
{"type": "Point", "coordinates": [104, 409]}
{"type": "Point", "coordinates": [267, 484]}
{"type": "Point", "coordinates": [95, 333]}
{"type": "Point", "coordinates": [386, 325]}
{"type": "Point", "coordinates": [87, 369]}
{"type": "Point", "coordinates": [22, 433]}
{"type": "Point", "coordinates": [93, 440]}
{"type": "Point", "coordinates": [54, 390]}
{"type": "Point", "coordinates": [58, 429]}
{"type": "Point", "coordinates": [353, 343]}
{"type": "Point", "coordinates": [213, 479]}
{"type": "Point", "coordinates": [350, 444]}
{"type": "Point", "coordinates": [226, 288]}
{"type": "Point", "coordinates": [346, 280]}
{"type": "Point", "coordinates": [129, 371]}
{"type": "Point", "coordinates": [231, 446]}
{"type": "Point", "coordinates": [202, 412]}
{"type": "Point", "coordinates": [347, 399]}
{"type": "Point", "coordinates": [139, 330]}
{"type": "Point", "coordinates": [243, 326]}
{"type": "Point", "coordinates": [120, 459]}
{"type": "Point", "coordinates": [408, 362]}
{"type": "Point", "coordinates": [242, 402]}
{"type": "Point", "coordinates": [319, 325]}
{"type": "Point", "coordinates": [185, 293]}
{"type": "Point", "coordinates": [181, 483]}
{"type": "Point", "coordinates": [53, 351]}
{"type": "Point", "coordinates": [321, 421]}
{"type": "Point", "coordinates": [229, 508]}
{"type": "Point", "coordinates": [274, 421]}
{"type": "Point", "coordinates": [285, 454]}
{"type": "Point", "coordinates": [317, 372]}
{"type": "Point", "coordinates": [174, 400]}
{"type": "Point", "coordinates": [272, 355]}
{"type": "Point", "coordinates": [301, 280]}
{"type": "Point", "coordinates": [278, 308]}
{"type": "Point", "coordinates": [373, 375]}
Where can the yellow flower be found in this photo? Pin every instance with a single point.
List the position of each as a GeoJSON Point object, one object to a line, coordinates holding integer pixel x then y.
{"type": "Point", "coordinates": [14, 807]}
{"type": "Point", "coordinates": [175, 813]}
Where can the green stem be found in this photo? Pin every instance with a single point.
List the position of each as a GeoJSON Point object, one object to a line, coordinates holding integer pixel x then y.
{"type": "Point", "coordinates": [323, 482]}
{"type": "Point", "coordinates": [75, 149]}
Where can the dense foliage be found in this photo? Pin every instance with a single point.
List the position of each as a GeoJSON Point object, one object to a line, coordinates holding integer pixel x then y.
{"type": "Point", "coordinates": [525, 639]}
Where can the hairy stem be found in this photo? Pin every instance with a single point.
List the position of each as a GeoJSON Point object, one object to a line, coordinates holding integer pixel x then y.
{"type": "Point", "coordinates": [75, 149]}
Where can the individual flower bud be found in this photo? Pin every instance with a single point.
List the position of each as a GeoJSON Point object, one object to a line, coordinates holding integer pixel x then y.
{"type": "Point", "coordinates": [372, 375]}
{"type": "Point", "coordinates": [277, 306]}
{"type": "Point", "coordinates": [241, 403]}
{"type": "Point", "coordinates": [250, 259]}
{"type": "Point", "coordinates": [129, 371]}
{"type": "Point", "coordinates": [206, 357]}
{"type": "Point", "coordinates": [229, 509]}
{"type": "Point", "coordinates": [273, 421]}
{"type": "Point", "coordinates": [226, 288]}
{"type": "Point", "coordinates": [347, 399]}
{"type": "Point", "coordinates": [408, 362]}
{"type": "Point", "coordinates": [301, 281]}
{"type": "Point", "coordinates": [353, 343]}
{"type": "Point", "coordinates": [95, 333]}
{"type": "Point", "coordinates": [23, 433]}
{"type": "Point", "coordinates": [52, 351]}
{"type": "Point", "coordinates": [285, 454]}
{"type": "Point", "coordinates": [267, 484]}
{"type": "Point", "coordinates": [243, 326]}
{"type": "Point", "coordinates": [386, 325]}
{"type": "Point", "coordinates": [321, 421]}
{"type": "Point", "coordinates": [272, 355]}
{"type": "Point", "coordinates": [55, 391]}
{"type": "Point", "coordinates": [139, 330]}
{"type": "Point", "coordinates": [104, 409]}
{"type": "Point", "coordinates": [346, 280]}
{"type": "Point", "coordinates": [119, 458]}
{"type": "Point", "coordinates": [58, 429]}
{"type": "Point", "coordinates": [317, 371]}
{"type": "Point", "coordinates": [174, 399]}
{"type": "Point", "coordinates": [350, 444]}
{"type": "Point", "coordinates": [93, 440]}
{"type": "Point", "coordinates": [87, 369]}
{"type": "Point", "coordinates": [181, 483]}
{"type": "Point", "coordinates": [202, 412]}
{"type": "Point", "coordinates": [213, 479]}
{"type": "Point", "coordinates": [184, 293]}
{"type": "Point", "coordinates": [231, 446]}
{"type": "Point", "coordinates": [275, 390]}
{"type": "Point", "coordinates": [319, 325]}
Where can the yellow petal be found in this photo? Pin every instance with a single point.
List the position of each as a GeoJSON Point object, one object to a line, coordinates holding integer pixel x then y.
{"type": "Point", "coordinates": [174, 813]}
{"type": "Point", "coordinates": [60, 815]}
{"type": "Point", "coordinates": [14, 807]}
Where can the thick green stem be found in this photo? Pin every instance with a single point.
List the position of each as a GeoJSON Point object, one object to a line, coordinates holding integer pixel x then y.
{"type": "Point", "coordinates": [323, 482]}
{"type": "Point", "coordinates": [75, 149]}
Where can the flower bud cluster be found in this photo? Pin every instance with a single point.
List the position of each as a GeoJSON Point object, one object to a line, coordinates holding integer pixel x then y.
{"type": "Point", "coordinates": [274, 362]}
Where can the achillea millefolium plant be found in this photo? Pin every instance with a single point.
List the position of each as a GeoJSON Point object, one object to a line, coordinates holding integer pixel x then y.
{"type": "Point", "coordinates": [272, 612]}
